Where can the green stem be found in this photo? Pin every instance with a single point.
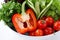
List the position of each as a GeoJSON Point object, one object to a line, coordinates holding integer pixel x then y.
{"type": "Point", "coordinates": [32, 6]}
{"type": "Point", "coordinates": [23, 8]}
{"type": "Point", "coordinates": [44, 13]}
{"type": "Point", "coordinates": [45, 8]}
{"type": "Point", "coordinates": [30, 2]}
{"type": "Point", "coordinates": [37, 7]}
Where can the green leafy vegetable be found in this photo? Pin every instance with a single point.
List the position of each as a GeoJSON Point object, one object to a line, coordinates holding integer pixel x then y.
{"type": "Point", "coordinates": [52, 14]}
{"type": "Point", "coordinates": [7, 10]}
{"type": "Point", "coordinates": [43, 3]}
{"type": "Point", "coordinates": [57, 5]}
{"type": "Point", "coordinates": [37, 5]}
{"type": "Point", "coordinates": [45, 9]}
{"type": "Point", "coordinates": [54, 10]}
{"type": "Point", "coordinates": [34, 6]}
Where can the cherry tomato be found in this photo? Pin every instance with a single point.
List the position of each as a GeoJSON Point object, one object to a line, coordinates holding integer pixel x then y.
{"type": "Point", "coordinates": [42, 24]}
{"type": "Point", "coordinates": [32, 33]}
{"type": "Point", "coordinates": [57, 25]}
{"type": "Point", "coordinates": [50, 21]}
{"type": "Point", "coordinates": [48, 30]}
{"type": "Point", "coordinates": [39, 32]}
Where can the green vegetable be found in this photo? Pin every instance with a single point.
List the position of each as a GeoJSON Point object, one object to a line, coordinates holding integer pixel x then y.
{"type": "Point", "coordinates": [43, 7]}
{"type": "Point", "coordinates": [57, 5]}
{"type": "Point", "coordinates": [35, 5]}
{"type": "Point", "coordinates": [7, 10]}
{"type": "Point", "coordinates": [43, 3]}
{"type": "Point", "coordinates": [45, 10]}
{"type": "Point", "coordinates": [54, 10]}
{"type": "Point", "coordinates": [52, 14]}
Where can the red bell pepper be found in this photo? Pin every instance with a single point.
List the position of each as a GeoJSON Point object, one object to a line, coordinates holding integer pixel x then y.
{"type": "Point", "coordinates": [24, 22]}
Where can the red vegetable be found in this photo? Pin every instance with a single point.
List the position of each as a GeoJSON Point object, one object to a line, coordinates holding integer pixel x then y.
{"type": "Point", "coordinates": [39, 32]}
{"type": "Point", "coordinates": [24, 22]}
{"type": "Point", "coordinates": [50, 21]}
{"type": "Point", "coordinates": [28, 25]}
{"type": "Point", "coordinates": [42, 24]}
{"type": "Point", "coordinates": [32, 33]}
{"type": "Point", "coordinates": [18, 24]}
{"type": "Point", "coordinates": [48, 30]}
{"type": "Point", "coordinates": [57, 26]}
{"type": "Point", "coordinates": [32, 21]}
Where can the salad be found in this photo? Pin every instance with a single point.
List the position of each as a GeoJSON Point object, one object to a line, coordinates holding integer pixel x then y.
{"type": "Point", "coordinates": [32, 17]}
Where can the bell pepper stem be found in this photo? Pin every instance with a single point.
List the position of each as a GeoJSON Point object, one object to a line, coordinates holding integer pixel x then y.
{"type": "Point", "coordinates": [23, 8]}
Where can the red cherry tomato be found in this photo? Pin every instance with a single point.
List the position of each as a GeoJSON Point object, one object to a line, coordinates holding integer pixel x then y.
{"type": "Point", "coordinates": [48, 30]}
{"type": "Point", "coordinates": [39, 32]}
{"type": "Point", "coordinates": [57, 26]}
{"type": "Point", "coordinates": [49, 21]}
{"type": "Point", "coordinates": [41, 24]}
{"type": "Point", "coordinates": [32, 33]}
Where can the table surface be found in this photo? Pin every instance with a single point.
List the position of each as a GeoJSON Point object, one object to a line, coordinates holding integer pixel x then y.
{"type": "Point", "coordinates": [7, 34]}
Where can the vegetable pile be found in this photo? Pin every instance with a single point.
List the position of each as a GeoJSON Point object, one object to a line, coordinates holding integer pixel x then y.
{"type": "Point", "coordinates": [32, 17]}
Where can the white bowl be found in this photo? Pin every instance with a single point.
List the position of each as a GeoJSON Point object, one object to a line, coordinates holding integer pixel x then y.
{"type": "Point", "coordinates": [8, 34]}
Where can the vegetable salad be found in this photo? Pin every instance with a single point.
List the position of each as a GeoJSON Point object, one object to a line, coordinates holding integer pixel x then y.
{"type": "Point", "coordinates": [32, 17]}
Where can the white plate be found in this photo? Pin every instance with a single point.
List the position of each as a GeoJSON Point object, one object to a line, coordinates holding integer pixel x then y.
{"type": "Point", "coordinates": [8, 34]}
